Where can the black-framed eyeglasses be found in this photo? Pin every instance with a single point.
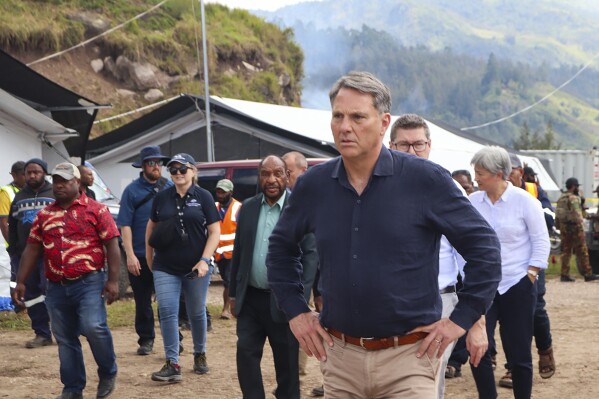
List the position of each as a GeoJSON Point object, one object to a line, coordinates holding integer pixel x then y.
{"type": "Point", "coordinates": [173, 170]}
{"type": "Point", "coordinates": [418, 146]}
{"type": "Point", "coordinates": [153, 163]}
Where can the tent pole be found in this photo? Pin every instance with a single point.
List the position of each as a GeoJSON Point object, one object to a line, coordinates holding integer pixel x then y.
{"type": "Point", "coordinates": [209, 138]}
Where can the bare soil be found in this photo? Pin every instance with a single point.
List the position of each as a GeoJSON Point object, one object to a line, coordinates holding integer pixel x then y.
{"type": "Point", "coordinates": [33, 373]}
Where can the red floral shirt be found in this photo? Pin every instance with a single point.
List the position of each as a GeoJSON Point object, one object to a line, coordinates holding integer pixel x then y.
{"type": "Point", "coordinates": [73, 238]}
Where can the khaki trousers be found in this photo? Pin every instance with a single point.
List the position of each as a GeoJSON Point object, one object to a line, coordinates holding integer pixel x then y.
{"type": "Point", "coordinates": [353, 372]}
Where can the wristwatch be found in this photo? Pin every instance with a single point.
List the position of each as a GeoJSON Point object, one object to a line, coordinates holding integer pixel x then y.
{"type": "Point", "coordinates": [207, 260]}
{"type": "Point", "coordinates": [533, 273]}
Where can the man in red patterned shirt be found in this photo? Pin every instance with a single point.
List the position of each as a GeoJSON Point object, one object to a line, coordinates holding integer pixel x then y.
{"type": "Point", "coordinates": [72, 233]}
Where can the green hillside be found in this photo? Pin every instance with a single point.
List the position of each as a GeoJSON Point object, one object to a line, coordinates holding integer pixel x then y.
{"type": "Point", "coordinates": [248, 58]}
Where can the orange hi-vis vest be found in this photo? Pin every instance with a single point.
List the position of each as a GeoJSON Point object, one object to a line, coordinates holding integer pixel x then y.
{"type": "Point", "coordinates": [532, 189]}
{"type": "Point", "coordinates": [228, 226]}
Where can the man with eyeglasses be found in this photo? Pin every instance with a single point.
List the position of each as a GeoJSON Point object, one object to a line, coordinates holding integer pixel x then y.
{"type": "Point", "coordinates": [410, 133]}
{"type": "Point", "coordinates": [136, 205]}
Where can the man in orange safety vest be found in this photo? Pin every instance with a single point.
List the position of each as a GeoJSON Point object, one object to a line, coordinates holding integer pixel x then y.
{"type": "Point", "coordinates": [228, 208]}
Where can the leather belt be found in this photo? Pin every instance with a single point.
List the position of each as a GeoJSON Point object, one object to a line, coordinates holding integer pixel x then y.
{"type": "Point", "coordinates": [375, 344]}
{"type": "Point", "coordinates": [69, 281]}
{"type": "Point", "coordinates": [447, 290]}
{"type": "Point", "coordinates": [258, 290]}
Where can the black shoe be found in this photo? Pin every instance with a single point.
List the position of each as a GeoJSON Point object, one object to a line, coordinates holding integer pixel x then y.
{"type": "Point", "coordinates": [566, 279]}
{"type": "Point", "coordinates": [591, 277]}
{"type": "Point", "coordinates": [145, 348]}
{"type": "Point", "coordinates": [200, 366]}
{"type": "Point", "coordinates": [452, 372]}
{"type": "Point", "coordinates": [170, 372]}
{"type": "Point", "coordinates": [38, 342]}
{"type": "Point", "coordinates": [70, 395]}
{"type": "Point", "coordinates": [318, 391]}
{"type": "Point", "coordinates": [208, 325]}
{"type": "Point", "coordinates": [105, 387]}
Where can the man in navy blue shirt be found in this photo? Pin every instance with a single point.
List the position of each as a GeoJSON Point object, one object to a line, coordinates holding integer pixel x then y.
{"type": "Point", "coordinates": [134, 214]}
{"type": "Point", "coordinates": [378, 222]}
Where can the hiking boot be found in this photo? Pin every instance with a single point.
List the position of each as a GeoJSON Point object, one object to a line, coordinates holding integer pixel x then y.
{"type": "Point", "coordinates": [105, 387]}
{"type": "Point", "coordinates": [506, 380]}
{"type": "Point", "coordinates": [591, 277]}
{"type": "Point", "coordinates": [566, 279]}
{"type": "Point", "coordinates": [145, 348]}
{"type": "Point", "coordinates": [200, 366]}
{"type": "Point", "coordinates": [38, 342]}
{"type": "Point", "coordinates": [170, 372]}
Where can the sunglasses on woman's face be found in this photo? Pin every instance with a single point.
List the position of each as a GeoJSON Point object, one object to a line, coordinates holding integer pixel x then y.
{"type": "Point", "coordinates": [182, 170]}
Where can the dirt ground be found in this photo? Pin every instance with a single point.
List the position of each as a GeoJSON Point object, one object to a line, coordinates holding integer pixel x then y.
{"type": "Point", "coordinates": [33, 373]}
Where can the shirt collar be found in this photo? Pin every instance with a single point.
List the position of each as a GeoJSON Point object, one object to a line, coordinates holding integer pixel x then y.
{"type": "Point", "coordinates": [280, 201]}
{"type": "Point", "coordinates": [505, 197]}
{"type": "Point", "coordinates": [383, 166]}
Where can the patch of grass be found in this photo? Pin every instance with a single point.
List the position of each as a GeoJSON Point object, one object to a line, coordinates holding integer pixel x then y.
{"type": "Point", "coordinates": [10, 321]}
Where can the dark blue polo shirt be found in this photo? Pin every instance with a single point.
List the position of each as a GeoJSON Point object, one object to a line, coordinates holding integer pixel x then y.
{"type": "Point", "coordinates": [138, 218]}
{"type": "Point", "coordinates": [379, 251]}
{"type": "Point", "coordinates": [198, 211]}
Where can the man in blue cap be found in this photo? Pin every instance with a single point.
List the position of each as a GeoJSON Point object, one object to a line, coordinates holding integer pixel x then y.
{"type": "Point", "coordinates": [134, 214]}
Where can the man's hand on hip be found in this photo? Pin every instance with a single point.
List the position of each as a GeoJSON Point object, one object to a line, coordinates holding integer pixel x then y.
{"type": "Point", "coordinates": [440, 335]}
{"type": "Point", "coordinates": [309, 333]}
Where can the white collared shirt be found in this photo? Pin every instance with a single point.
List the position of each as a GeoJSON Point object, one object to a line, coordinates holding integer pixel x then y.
{"type": "Point", "coordinates": [517, 218]}
{"type": "Point", "coordinates": [448, 258]}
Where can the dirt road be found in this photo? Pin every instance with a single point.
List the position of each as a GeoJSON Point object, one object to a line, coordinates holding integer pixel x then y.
{"type": "Point", "coordinates": [33, 373]}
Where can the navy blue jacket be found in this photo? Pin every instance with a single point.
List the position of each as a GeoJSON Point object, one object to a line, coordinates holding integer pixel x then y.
{"type": "Point", "coordinates": [379, 251]}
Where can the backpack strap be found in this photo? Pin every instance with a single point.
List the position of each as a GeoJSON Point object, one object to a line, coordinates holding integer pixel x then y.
{"type": "Point", "coordinates": [158, 188]}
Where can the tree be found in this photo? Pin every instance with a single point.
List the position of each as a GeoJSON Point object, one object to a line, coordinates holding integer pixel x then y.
{"type": "Point", "coordinates": [536, 141]}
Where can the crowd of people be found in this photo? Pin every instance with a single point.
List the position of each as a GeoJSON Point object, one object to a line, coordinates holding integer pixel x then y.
{"type": "Point", "coordinates": [388, 269]}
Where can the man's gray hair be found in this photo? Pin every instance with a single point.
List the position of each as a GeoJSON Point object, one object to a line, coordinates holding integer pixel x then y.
{"type": "Point", "coordinates": [366, 83]}
{"type": "Point", "coordinates": [299, 159]}
{"type": "Point", "coordinates": [409, 122]}
{"type": "Point", "coordinates": [494, 159]}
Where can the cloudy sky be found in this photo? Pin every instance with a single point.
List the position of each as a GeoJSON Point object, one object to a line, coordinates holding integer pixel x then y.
{"type": "Point", "coordinates": [269, 5]}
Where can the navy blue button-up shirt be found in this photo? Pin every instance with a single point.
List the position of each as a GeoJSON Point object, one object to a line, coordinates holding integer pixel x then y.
{"type": "Point", "coordinates": [379, 251]}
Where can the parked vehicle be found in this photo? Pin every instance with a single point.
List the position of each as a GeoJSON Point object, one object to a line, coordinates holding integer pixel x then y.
{"type": "Point", "coordinates": [243, 174]}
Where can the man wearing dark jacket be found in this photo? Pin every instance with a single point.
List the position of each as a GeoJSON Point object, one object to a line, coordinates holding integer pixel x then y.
{"type": "Point", "coordinates": [36, 194]}
{"type": "Point", "coordinates": [258, 315]}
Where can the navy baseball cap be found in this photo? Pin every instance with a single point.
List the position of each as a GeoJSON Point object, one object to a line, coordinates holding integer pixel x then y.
{"type": "Point", "coordinates": [182, 158]}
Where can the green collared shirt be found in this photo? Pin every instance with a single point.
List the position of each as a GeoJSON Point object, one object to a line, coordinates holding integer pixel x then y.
{"type": "Point", "coordinates": [267, 220]}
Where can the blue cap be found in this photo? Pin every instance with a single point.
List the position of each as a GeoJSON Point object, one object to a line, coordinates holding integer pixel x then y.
{"type": "Point", "coordinates": [149, 152]}
{"type": "Point", "coordinates": [182, 158]}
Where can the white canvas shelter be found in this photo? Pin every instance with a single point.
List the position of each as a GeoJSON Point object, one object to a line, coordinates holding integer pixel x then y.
{"type": "Point", "coordinates": [25, 133]}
